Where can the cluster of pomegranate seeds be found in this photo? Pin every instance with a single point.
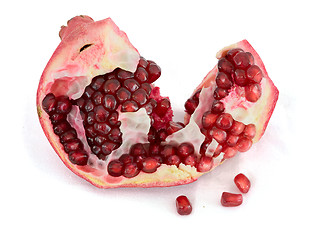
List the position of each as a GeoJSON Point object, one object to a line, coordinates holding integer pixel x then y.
{"type": "Point", "coordinates": [58, 108]}
{"type": "Point", "coordinates": [193, 102]}
{"type": "Point", "coordinates": [183, 205]}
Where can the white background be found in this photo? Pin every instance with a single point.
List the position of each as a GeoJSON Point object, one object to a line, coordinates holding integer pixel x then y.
{"type": "Point", "coordinates": [42, 199]}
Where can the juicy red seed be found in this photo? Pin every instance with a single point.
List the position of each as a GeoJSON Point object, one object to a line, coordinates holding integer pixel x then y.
{"type": "Point", "coordinates": [90, 119]}
{"type": "Point", "coordinates": [162, 107]}
{"type": "Point", "coordinates": [242, 182]}
{"type": "Point", "coordinates": [154, 72]}
{"type": "Point", "coordinates": [113, 119]}
{"type": "Point", "coordinates": [162, 135]}
{"type": "Point", "coordinates": [219, 135]}
{"type": "Point", "coordinates": [218, 150]}
{"type": "Point", "coordinates": [143, 62]}
{"type": "Point", "coordinates": [137, 150]}
{"type": "Point", "coordinates": [249, 131]}
{"type": "Point", "coordinates": [217, 107]}
{"type": "Point", "coordinates": [251, 58]}
{"type": "Point", "coordinates": [150, 165]}
{"type": "Point", "coordinates": [183, 205]}
{"type": "Point", "coordinates": [100, 114]}
{"type": "Point", "coordinates": [220, 93]}
{"type": "Point", "coordinates": [49, 103]}
{"type": "Point", "coordinates": [244, 144]}
{"type": "Point", "coordinates": [191, 106]}
{"type": "Point", "coordinates": [130, 170]}
{"type": "Point", "coordinates": [191, 160]}
{"type": "Point", "coordinates": [97, 82]}
{"type": "Point", "coordinates": [168, 150]}
{"type": "Point", "coordinates": [185, 149]}
{"type": "Point", "coordinates": [240, 77]}
{"type": "Point", "coordinates": [115, 168]}
{"type": "Point", "coordinates": [224, 121]}
{"type": "Point", "coordinates": [109, 102]}
{"type": "Point", "coordinates": [88, 106]}
{"type": "Point", "coordinates": [90, 132]}
{"type": "Point", "coordinates": [229, 152]}
{"type": "Point", "coordinates": [140, 96]}
{"type": "Point", "coordinates": [64, 105]}
{"type": "Point", "coordinates": [237, 128]}
{"type": "Point", "coordinates": [96, 150]}
{"type": "Point", "coordinates": [88, 92]}
{"type": "Point", "coordinates": [205, 145]}
{"type": "Point", "coordinates": [141, 75]}
{"type": "Point", "coordinates": [154, 149]}
{"type": "Point", "coordinates": [225, 66]}
{"type": "Point", "coordinates": [111, 75]}
{"type": "Point", "coordinates": [147, 88]}
{"type": "Point", "coordinates": [73, 145]}
{"type": "Point", "coordinates": [173, 160]}
{"type": "Point", "coordinates": [196, 95]}
{"type": "Point", "coordinates": [68, 136]}
{"type": "Point", "coordinates": [126, 158]}
{"type": "Point", "coordinates": [111, 86]}
{"type": "Point", "coordinates": [61, 128]}
{"type": "Point", "coordinates": [231, 199]}
{"type": "Point", "coordinates": [115, 135]}
{"type": "Point", "coordinates": [131, 84]}
{"type": "Point", "coordinates": [205, 164]}
{"type": "Point", "coordinates": [223, 81]}
{"type": "Point", "coordinates": [123, 95]}
{"type": "Point", "coordinates": [80, 102]}
{"type": "Point", "coordinates": [108, 147]}
{"type": "Point", "coordinates": [57, 117]}
{"type": "Point", "coordinates": [241, 60]}
{"type": "Point", "coordinates": [79, 157]}
{"type": "Point", "coordinates": [97, 98]}
{"type": "Point", "coordinates": [123, 74]}
{"type": "Point", "coordinates": [253, 92]}
{"type": "Point", "coordinates": [173, 127]}
{"type": "Point", "coordinates": [99, 140]}
{"type": "Point", "coordinates": [149, 108]}
{"type": "Point", "coordinates": [254, 73]}
{"type": "Point", "coordinates": [232, 140]}
{"type": "Point", "coordinates": [129, 106]}
{"type": "Point", "coordinates": [102, 128]}
{"type": "Point", "coordinates": [232, 52]}
{"type": "Point", "coordinates": [208, 120]}
{"type": "Point", "coordinates": [152, 135]}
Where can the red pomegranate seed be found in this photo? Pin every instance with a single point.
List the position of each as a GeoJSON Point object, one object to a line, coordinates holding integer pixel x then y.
{"type": "Point", "coordinates": [88, 92]}
{"type": "Point", "coordinates": [68, 136]}
{"type": "Point", "coordinates": [140, 96]}
{"type": "Point", "coordinates": [115, 168]}
{"type": "Point", "coordinates": [88, 106]}
{"type": "Point", "coordinates": [254, 73]}
{"type": "Point", "coordinates": [174, 127]}
{"type": "Point", "coordinates": [154, 149]}
{"type": "Point", "coordinates": [115, 135]}
{"type": "Point", "coordinates": [137, 150]}
{"type": "Point", "coordinates": [123, 74]}
{"type": "Point", "coordinates": [61, 128]}
{"type": "Point", "coordinates": [99, 140]}
{"type": "Point", "coordinates": [251, 58]}
{"type": "Point", "coordinates": [242, 182]}
{"type": "Point", "coordinates": [232, 52]}
{"type": "Point", "coordinates": [232, 140]}
{"type": "Point", "coordinates": [220, 93]}
{"type": "Point", "coordinates": [150, 164]}
{"type": "Point", "coordinates": [191, 106]}
{"type": "Point", "coordinates": [183, 205]}
{"type": "Point", "coordinates": [185, 149]}
{"type": "Point", "coordinates": [126, 158]}
{"type": "Point", "coordinates": [240, 77]}
{"type": "Point", "coordinates": [223, 81]}
{"type": "Point", "coordinates": [241, 60]}
{"type": "Point", "coordinates": [237, 128]}
{"type": "Point", "coordinates": [196, 95]}
{"type": "Point", "coordinates": [79, 157]}
{"type": "Point", "coordinates": [100, 114]}
{"type": "Point", "coordinates": [141, 75]}
{"type": "Point", "coordinates": [108, 147]}
{"type": "Point", "coordinates": [147, 88]}
{"type": "Point", "coordinates": [123, 95]}
{"type": "Point", "coordinates": [97, 82]}
{"type": "Point", "coordinates": [110, 102]}
{"type": "Point", "coordinates": [225, 66]}
{"type": "Point", "coordinates": [102, 128]}
{"type": "Point", "coordinates": [73, 145]}
{"type": "Point", "coordinates": [224, 121]}
{"type": "Point", "coordinates": [217, 107]}
{"type": "Point", "coordinates": [97, 98]}
{"type": "Point", "coordinates": [218, 134]}
{"type": "Point", "coordinates": [64, 105]}
{"type": "Point", "coordinates": [208, 120]}
{"type": "Point", "coordinates": [218, 150]}
{"type": "Point", "coordinates": [154, 72]}
{"type": "Point", "coordinates": [173, 160]}
{"type": "Point", "coordinates": [205, 164]}
{"type": "Point", "coordinates": [253, 92]}
{"type": "Point", "coordinates": [57, 117]}
{"type": "Point", "coordinates": [131, 84]}
{"type": "Point", "coordinates": [130, 170]}
{"type": "Point", "coordinates": [49, 103]}
{"type": "Point", "coordinates": [129, 106]}
{"type": "Point", "coordinates": [230, 152]}
{"type": "Point", "coordinates": [113, 119]}
{"type": "Point", "coordinates": [244, 144]}
{"type": "Point", "coordinates": [111, 86]}
{"type": "Point", "coordinates": [162, 107]}
{"type": "Point", "coordinates": [231, 199]}
{"type": "Point", "coordinates": [191, 160]}
{"type": "Point", "coordinates": [249, 131]}
{"type": "Point", "coordinates": [168, 150]}
{"type": "Point", "coordinates": [143, 62]}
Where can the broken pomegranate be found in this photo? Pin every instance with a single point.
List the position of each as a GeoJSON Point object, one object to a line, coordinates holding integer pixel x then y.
{"type": "Point", "coordinates": [231, 199]}
{"type": "Point", "coordinates": [242, 182]}
{"type": "Point", "coordinates": [102, 113]}
{"type": "Point", "coordinates": [183, 205]}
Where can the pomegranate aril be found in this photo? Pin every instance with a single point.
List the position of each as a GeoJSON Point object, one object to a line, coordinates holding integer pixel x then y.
{"type": "Point", "coordinates": [64, 105]}
{"type": "Point", "coordinates": [113, 119]}
{"type": "Point", "coordinates": [241, 60]}
{"type": "Point", "coordinates": [111, 75]}
{"type": "Point", "coordinates": [123, 94]}
{"type": "Point", "coordinates": [242, 182]}
{"type": "Point", "coordinates": [99, 140]}
{"type": "Point", "coordinates": [150, 164]}
{"type": "Point", "coordinates": [111, 86]}
{"type": "Point", "coordinates": [183, 205]}
{"type": "Point", "coordinates": [218, 134]}
{"type": "Point", "coordinates": [140, 96]}
{"type": "Point", "coordinates": [220, 93]}
{"type": "Point", "coordinates": [254, 74]}
{"type": "Point", "coordinates": [191, 105]}
{"type": "Point", "coordinates": [137, 150]}
{"type": "Point", "coordinates": [232, 140]}
{"type": "Point", "coordinates": [173, 127]}
{"type": "Point", "coordinates": [130, 170]}
{"type": "Point", "coordinates": [205, 164]}
{"type": "Point", "coordinates": [224, 121]}
{"type": "Point", "coordinates": [196, 95]}
{"type": "Point", "coordinates": [244, 144]}
{"type": "Point", "coordinates": [232, 52]}
{"type": "Point", "coordinates": [185, 149]}
{"type": "Point", "coordinates": [146, 87]}
{"type": "Point", "coordinates": [96, 150]}
{"type": "Point", "coordinates": [253, 92]}
{"type": "Point", "coordinates": [154, 72]}
{"type": "Point", "coordinates": [109, 102]}
{"type": "Point", "coordinates": [162, 107]}
{"type": "Point", "coordinates": [229, 152]}
{"type": "Point", "coordinates": [142, 62]}
{"type": "Point", "coordinates": [237, 128]}
{"type": "Point", "coordinates": [68, 136]}
{"type": "Point", "coordinates": [231, 199]}
{"type": "Point", "coordinates": [240, 77]}
{"type": "Point", "coordinates": [90, 118]}
{"type": "Point", "coordinates": [102, 128]}
{"type": "Point", "coordinates": [97, 98]}
{"type": "Point", "coordinates": [208, 120]}
{"type": "Point", "coordinates": [218, 150]}
{"type": "Point", "coordinates": [168, 150]}
{"type": "Point", "coordinates": [108, 147]}
{"type": "Point", "coordinates": [141, 75]}
{"type": "Point", "coordinates": [97, 82]}
{"type": "Point", "coordinates": [190, 160]}
{"type": "Point", "coordinates": [251, 58]}
{"type": "Point", "coordinates": [57, 117]}
{"type": "Point", "coordinates": [154, 149]}
{"type": "Point", "coordinates": [173, 160]}
{"type": "Point", "coordinates": [223, 81]}
{"type": "Point", "coordinates": [88, 92]}
{"type": "Point", "coordinates": [129, 106]}
{"type": "Point", "coordinates": [131, 84]}
{"type": "Point", "coordinates": [249, 131]}
{"type": "Point", "coordinates": [73, 145]}
{"type": "Point", "coordinates": [123, 74]}
{"type": "Point", "coordinates": [79, 157]}
{"type": "Point", "coordinates": [126, 158]}
{"type": "Point", "coordinates": [217, 107]}
{"type": "Point", "coordinates": [115, 135]}
{"type": "Point", "coordinates": [225, 66]}
{"type": "Point", "coordinates": [61, 128]}
{"type": "Point", "coordinates": [49, 103]}
{"type": "Point", "coordinates": [100, 114]}
{"type": "Point", "coordinates": [115, 168]}
{"type": "Point", "coordinates": [88, 106]}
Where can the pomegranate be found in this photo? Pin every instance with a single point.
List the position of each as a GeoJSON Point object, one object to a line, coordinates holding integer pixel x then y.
{"type": "Point", "coordinates": [102, 113]}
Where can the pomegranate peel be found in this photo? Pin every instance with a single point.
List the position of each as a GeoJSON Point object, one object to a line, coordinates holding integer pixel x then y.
{"type": "Point", "coordinates": [97, 101]}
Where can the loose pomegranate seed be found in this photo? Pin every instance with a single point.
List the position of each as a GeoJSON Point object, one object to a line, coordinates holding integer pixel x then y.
{"type": "Point", "coordinates": [49, 103]}
{"type": "Point", "coordinates": [208, 120]}
{"type": "Point", "coordinates": [205, 164]}
{"type": "Point", "coordinates": [244, 144]}
{"type": "Point", "coordinates": [231, 199]}
{"type": "Point", "coordinates": [253, 92]}
{"type": "Point", "coordinates": [254, 74]}
{"type": "Point", "coordinates": [241, 60]}
{"type": "Point", "coordinates": [249, 131]}
{"type": "Point", "coordinates": [242, 183]}
{"type": "Point", "coordinates": [162, 107]}
{"type": "Point", "coordinates": [115, 168]}
{"type": "Point", "coordinates": [240, 77]}
{"type": "Point", "coordinates": [217, 107]}
{"type": "Point", "coordinates": [224, 121]}
{"type": "Point", "coordinates": [185, 149]}
{"type": "Point", "coordinates": [79, 157]}
{"type": "Point", "coordinates": [220, 93]}
{"type": "Point", "coordinates": [191, 160]}
{"type": "Point", "coordinates": [130, 170]}
{"type": "Point", "coordinates": [225, 66]}
{"type": "Point", "coordinates": [154, 72]}
{"type": "Point", "coordinates": [183, 205]}
{"type": "Point", "coordinates": [223, 81]}
{"type": "Point", "coordinates": [237, 128]}
{"type": "Point", "coordinates": [150, 165]}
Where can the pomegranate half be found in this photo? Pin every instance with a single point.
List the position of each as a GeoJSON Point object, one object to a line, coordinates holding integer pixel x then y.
{"type": "Point", "coordinates": [105, 118]}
